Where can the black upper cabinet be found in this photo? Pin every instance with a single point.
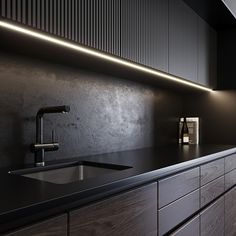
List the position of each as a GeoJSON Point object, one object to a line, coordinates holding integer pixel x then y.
{"type": "Point", "coordinates": [165, 35]}
{"type": "Point", "coordinates": [183, 40]}
{"type": "Point", "coordinates": [89, 22]}
{"type": "Point", "coordinates": [207, 54]}
{"type": "Point", "coordinates": [144, 32]}
{"type": "Point", "coordinates": [226, 59]}
{"type": "Point", "coordinates": [136, 30]}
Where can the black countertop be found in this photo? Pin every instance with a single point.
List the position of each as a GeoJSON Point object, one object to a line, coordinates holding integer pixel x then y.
{"type": "Point", "coordinates": [24, 200]}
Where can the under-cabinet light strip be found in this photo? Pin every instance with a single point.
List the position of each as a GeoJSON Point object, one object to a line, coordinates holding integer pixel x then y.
{"type": "Point", "coordinates": [97, 54]}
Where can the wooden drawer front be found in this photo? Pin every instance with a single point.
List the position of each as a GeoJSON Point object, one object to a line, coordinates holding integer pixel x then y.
{"type": "Point", "coordinates": [190, 228]}
{"type": "Point", "coordinates": [230, 163]}
{"type": "Point", "coordinates": [212, 219]}
{"type": "Point", "coordinates": [230, 212]}
{"type": "Point", "coordinates": [173, 214]}
{"type": "Point", "coordinates": [176, 186]}
{"type": "Point", "coordinates": [211, 171]}
{"type": "Point", "coordinates": [53, 227]}
{"type": "Point", "coordinates": [230, 179]}
{"type": "Point", "coordinates": [212, 190]}
{"type": "Point", "coordinates": [130, 213]}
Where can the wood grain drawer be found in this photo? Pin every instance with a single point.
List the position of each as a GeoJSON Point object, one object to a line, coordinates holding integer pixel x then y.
{"type": "Point", "coordinates": [177, 186]}
{"type": "Point", "coordinates": [130, 213]}
{"type": "Point", "coordinates": [176, 212]}
{"type": "Point", "coordinates": [230, 179]}
{"type": "Point", "coordinates": [190, 228]}
{"type": "Point", "coordinates": [230, 163]}
{"type": "Point", "coordinates": [212, 190]}
{"type": "Point", "coordinates": [211, 171]}
{"type": "Point", "coordinates": [212, 219]}
{"type": "Point", "coordinates": [56, 226]}
{"type": "Point", "coordinates": [230, 212]}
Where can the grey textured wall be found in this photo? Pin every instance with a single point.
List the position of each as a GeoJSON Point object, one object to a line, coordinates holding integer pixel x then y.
{"type": "Point", "coordinates": [107, 114]}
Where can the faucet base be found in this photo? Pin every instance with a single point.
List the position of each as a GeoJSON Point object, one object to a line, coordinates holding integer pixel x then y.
{"type": "Point", "coordinates": [38, 164]}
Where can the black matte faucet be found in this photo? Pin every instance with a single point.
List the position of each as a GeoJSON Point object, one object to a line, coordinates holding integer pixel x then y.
{"type": "Point", "coordinates": [39, 147]}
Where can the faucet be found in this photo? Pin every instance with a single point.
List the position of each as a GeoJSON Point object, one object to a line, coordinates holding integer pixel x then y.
{"type": "Point", "coordinates": [39, 147]}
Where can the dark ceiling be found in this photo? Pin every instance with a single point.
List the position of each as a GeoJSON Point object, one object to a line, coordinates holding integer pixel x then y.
{"type": "Point", "coordinates": [214, 12]}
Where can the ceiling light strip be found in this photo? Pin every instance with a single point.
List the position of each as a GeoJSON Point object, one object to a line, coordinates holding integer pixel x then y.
{"type": "Point", "coordinates": [97, 54]}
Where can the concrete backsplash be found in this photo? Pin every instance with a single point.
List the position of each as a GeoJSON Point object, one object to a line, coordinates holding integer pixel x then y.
{"type": "Point", "coordinates": [107, 114]}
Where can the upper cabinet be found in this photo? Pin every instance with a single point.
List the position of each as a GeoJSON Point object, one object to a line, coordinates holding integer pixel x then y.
{"type": "Point", "coordinates": [183, 40]}
{"type": "Point", "coordinates": [192, 45]}
{"type": "Point", "coordinates": [226, 59]}
{"type": "Point", "coordinates": [144, 32]}
{"type": "Point", "coordinates": [166, 35]}
{"type": "Point", "coordinates": [89, 22]}
{"type": "Point", "coordinates": [98, 24]}
{"type": "Point", "coordinates": [207, 54]}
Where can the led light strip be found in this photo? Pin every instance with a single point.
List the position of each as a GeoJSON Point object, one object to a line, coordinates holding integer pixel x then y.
{"type": "Point", "coordinates": [97, 54]}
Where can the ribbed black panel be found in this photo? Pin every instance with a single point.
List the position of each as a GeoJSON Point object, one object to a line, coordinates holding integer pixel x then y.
{"type": "Point", "coordinates": [95, 23]}
{"type": "Point", "coordinates": [133, 29]}
{"type": "Point", "coordinates": [145, 32]}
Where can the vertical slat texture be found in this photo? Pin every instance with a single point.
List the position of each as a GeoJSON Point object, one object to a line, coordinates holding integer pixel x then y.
{"type": "Point", "coordinates": [145, 32]}
{"type": "Point", "coordinates": [73, 20]}
{"type": "Point", "coordinates": [29, 12]}
{"type": "Point", "coordinates": [38, 18]}
{"type": "Point", "coordinates": [51, 16]}
{"type": "Point", "coordinates": [47, 16]}
{"type": "Point", "coordinates": [76, 20]}
{"type": "Point", "coordinates": [66, 20]}
{"type": "Point", "coordinates": [23, 12]}
{"type": "Point", "coordinates": [33, 13]}
{"type": "Point", "coordinates": [42, 14]}
{"type": "Point", "coordinates": [58, 17]}
{"type": "Point", "coordinates": [3, 8]}
{"type": "Point", "coordinates": [54, 16]}
{"type": "Point", "coordinates": [62, 19]}
{"type": "Point", "coordinates": [8, 9]}
{"type": "Point", "coordinates": [69, 19]}
{"type": "Point", "coordinates": [13, 10]}
{"type": "Point", "coordinates": [19, 16]}
{"type": "Point", "coordinates": [94, 23]}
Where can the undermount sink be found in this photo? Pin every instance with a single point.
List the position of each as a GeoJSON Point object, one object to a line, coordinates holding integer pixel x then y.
{"type": "Point", "coordinates": [69, 172]}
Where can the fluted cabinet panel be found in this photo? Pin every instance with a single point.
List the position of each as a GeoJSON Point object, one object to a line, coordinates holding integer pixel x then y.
{"type": "Point", "coordinates": [183, 41]}
{"type": "Point", "coordinates": [94, 23]}
{"type": "Point", "coordinates": [133, 29]}
{"type": "Point", "coordinates": [144, 32]}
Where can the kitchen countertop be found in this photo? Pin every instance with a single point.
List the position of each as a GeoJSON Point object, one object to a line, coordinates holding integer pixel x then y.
{"type": "Point", "coordinates": [24, 200]}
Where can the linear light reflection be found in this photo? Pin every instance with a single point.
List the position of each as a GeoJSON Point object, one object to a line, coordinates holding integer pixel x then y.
{"type": "Point", "coordinates": [97, 54]}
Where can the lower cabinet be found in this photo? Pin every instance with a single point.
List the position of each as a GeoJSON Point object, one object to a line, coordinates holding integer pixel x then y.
{"type": "Point", "coordinates": [190, 228]}
{"type": "Point", "coordinates": [230, 212]}
{"type": "Point", "coordinates": [212, 219]}
{"type": "Point", "coordinates": [131, 213]}
{"type": "Point", "coordinates": [230, 179]}
{"type": "Point", "coordinates": [173, 214]}
{"type": "Point", "coordinates": [188, 209]}
{"type": "Point", "coordinates": [56, 226]}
